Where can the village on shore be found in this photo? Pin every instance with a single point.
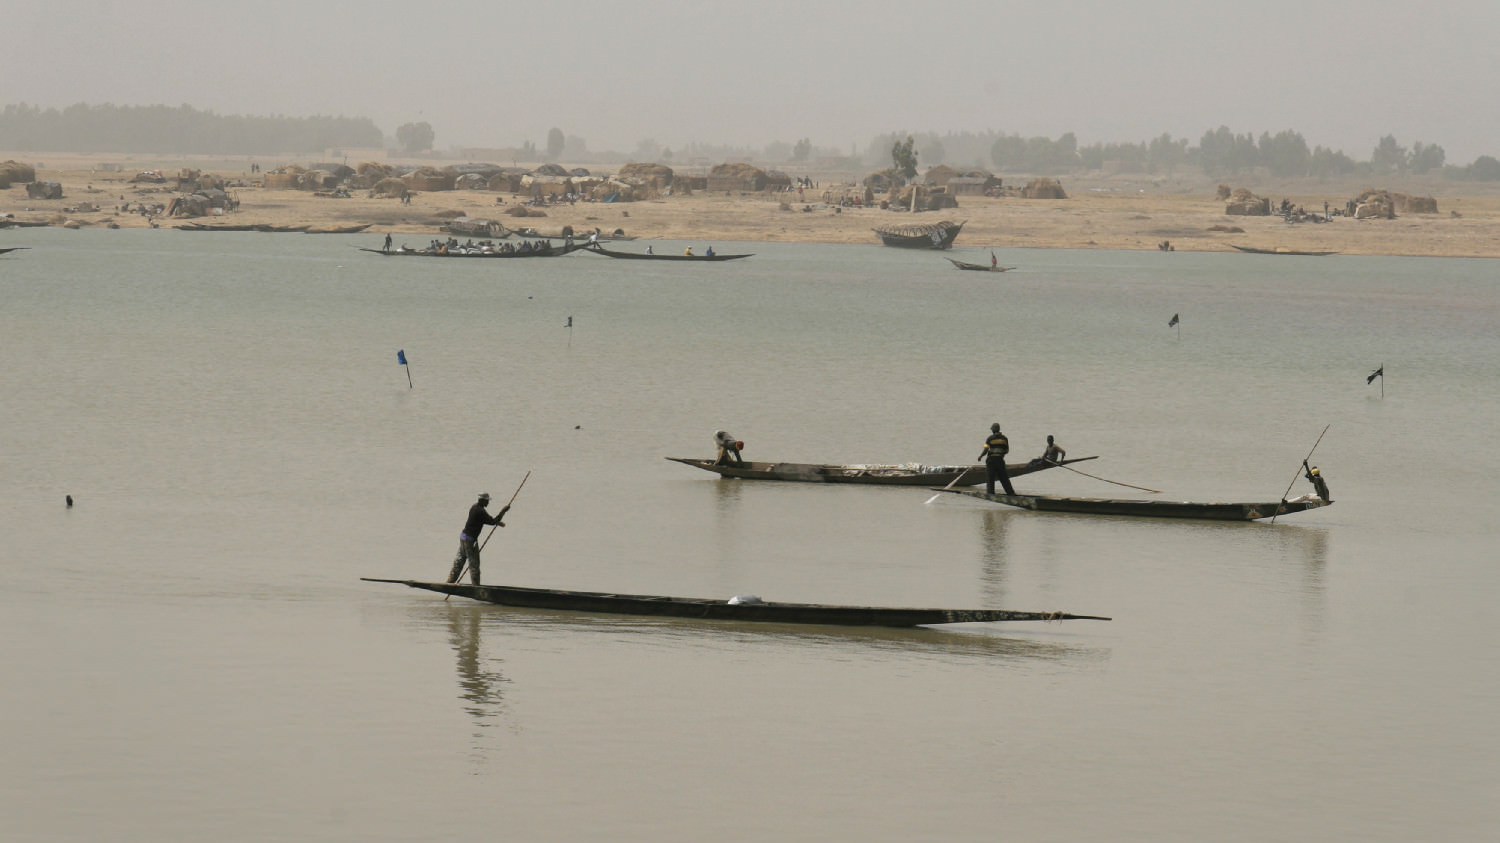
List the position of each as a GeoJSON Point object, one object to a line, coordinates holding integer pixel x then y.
{"type": "Point", "coordinates": [736, 201]}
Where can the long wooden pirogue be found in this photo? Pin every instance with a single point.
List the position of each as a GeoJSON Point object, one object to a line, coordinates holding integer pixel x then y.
{"type": "Point", "coordinates": [735, 609]}
{"type": "Point", "coordinates": [1149, 508]}
{"type": "Point", "coordinates": [874, 475]}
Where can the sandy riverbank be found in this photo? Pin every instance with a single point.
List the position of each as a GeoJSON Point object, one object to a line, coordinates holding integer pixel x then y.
{"type": "Point", "coordinates": [1119, 212]}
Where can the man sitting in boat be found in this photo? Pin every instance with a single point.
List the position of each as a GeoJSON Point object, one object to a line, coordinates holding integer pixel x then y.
{"type": "Point", "coordinates": [729, 448]}
{"type": "Point", "coordinates": [709, 252]}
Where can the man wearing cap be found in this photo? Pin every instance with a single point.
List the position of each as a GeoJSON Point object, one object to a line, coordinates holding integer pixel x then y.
{"type": "Point", "coordinates": [468, 540]}
{"type": "Point", "coordinates": [995, 449]}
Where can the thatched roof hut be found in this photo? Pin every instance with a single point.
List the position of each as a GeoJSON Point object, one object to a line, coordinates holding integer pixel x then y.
{"type": "Point", "coordinates": [556, 170]}
{"type": "Point", "coordinates": [1415, 204]}
{"type": "Point", "coordinates": [645, 173]}
{"type": "Point", "coordinates": [44, 190]}
{"type": "Point", "coordinates": [1043, 188]}
{"type": "Point", "coordinates": [14, 172]}
{"type": "Point", "coordinates": [389, 188]}
{"type": "Point", "coordinates": [1374, 204]}
{"type": "Point", "coordinates": [880, 180]}
{"type": "Point", "coordinates": [737, 176]}
{"type": "Point", "coordinates": [429, 179]}
{"type": "Point", "coordinates": [506, 182]}
{"type": "Point", "coordinates": [1243, 203]}
{"type": "Point", "coordinates": [939, 175]}
{"type": "Point", "coordinates": [471, 181]}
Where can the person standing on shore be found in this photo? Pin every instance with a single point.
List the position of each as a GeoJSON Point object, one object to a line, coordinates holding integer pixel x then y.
{"type": "Point", "coordinates": [995, 449]}
{"type": "Point", "coordinates": [468, 540]}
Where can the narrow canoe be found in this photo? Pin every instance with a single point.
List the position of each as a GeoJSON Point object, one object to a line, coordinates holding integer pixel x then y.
{"type": "Point", "coordinates": [548, 252]}
{"type": "Point", "coordinates": [1255, 251]}
{"type": "Point", "coordinates": [876, 475]}
{"type": "Point", "coordinates": [743, 609]}
{"type": "Point", "coordinates": [979, 267]}
{"type": "Point", "coordinates": [643, 256]}
{"type": "Point", "coordinates": [1149, 508]}
{"type": "Point", "coordinates": [11, 249]}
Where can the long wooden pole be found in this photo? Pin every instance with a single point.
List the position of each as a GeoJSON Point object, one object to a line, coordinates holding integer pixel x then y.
{"type": "Point", "coordinates": [492, 532]}
{"type": "Point", "coordinates": [1294, 475]}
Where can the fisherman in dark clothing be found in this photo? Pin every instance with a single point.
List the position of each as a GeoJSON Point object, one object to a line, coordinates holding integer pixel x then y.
{"type": "Point", "coordinates": [468, 540]}
{"type": "Point", "coordinates": [1315, 477]}
{"type": "Point", "coordinates": [995, 449]}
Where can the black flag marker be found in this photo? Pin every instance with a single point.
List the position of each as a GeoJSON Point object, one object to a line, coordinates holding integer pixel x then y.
{"type": "Point", "coordinates": [1378, 373]}
{"type": "Point", "coordinates": [1173, 322]}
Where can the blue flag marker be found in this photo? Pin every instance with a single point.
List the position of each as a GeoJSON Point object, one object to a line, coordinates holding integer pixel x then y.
{"type": "Point", "coordinates": [401, 360]}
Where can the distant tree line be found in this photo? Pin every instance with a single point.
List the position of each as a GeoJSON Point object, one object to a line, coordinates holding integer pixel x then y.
{"type": "Point", "coordinates": [183, 130]}
{"type": "Point", "coordinates": [1220, 152]}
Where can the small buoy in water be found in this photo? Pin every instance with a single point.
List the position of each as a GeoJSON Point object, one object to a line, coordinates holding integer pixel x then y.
{"type": "Point", "coordinates": [578, 427]}
{"type": "Point", "coordinates": [70, 501]}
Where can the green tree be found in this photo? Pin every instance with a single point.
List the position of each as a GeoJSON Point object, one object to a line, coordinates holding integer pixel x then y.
{"type": "Point", "coordinates": [904, 158]}
{"type": "Point", "coordinates": [556, 141]}
{"type": "Point", "coordinates": [1425, 158]}
{"type": "Point", "coordinates": [1388, 155]}
{"type": "Point", "coordinates": [415, 137]}
{"type": "Point", "coordinates": [802, 150]}
{"type": "Point", "coordinates": [1285, 155]}
{"type": "Point", "coordinates": [1164, 153]}
{"type": "Point", "coordinates": [1485, 168]}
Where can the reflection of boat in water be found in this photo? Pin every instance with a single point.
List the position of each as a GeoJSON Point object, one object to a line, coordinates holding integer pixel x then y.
{"type": "Point", "coordinates": [909, 474]}
{"type": "Point", "coordinates": [1150, 509]}
{"type": "Point", "coordinates": [744, 608]}
{"type": "Point", "coordinates": [1278, 251]}
{"type": "Point", "coordinates": [979, 267]}
{"type": "Point", "coordinates": [937, 235]}
{"type": "Point", "coordinates": [651, 256]}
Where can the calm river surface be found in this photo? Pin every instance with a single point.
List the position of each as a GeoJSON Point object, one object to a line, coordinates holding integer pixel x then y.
{"type": "Point", "coordinates": [189, 653]}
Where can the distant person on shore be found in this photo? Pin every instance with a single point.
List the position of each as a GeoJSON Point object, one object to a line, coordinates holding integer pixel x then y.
{"type": "Point", "coordinates": [468, 540]}
{"type": "Point", "coordinates": [729, 448]}
{"type": "Point", "coordinates": [995, 449]}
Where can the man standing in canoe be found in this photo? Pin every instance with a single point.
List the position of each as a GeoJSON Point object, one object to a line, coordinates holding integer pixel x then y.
{"type": "Point", "coordinates": [468, 540]}
{"type": "Point", "coordinates": [995, 449]}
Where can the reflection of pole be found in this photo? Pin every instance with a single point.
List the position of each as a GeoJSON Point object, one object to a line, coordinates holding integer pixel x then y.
{"type": "Point", "coordinates": [570, 332]}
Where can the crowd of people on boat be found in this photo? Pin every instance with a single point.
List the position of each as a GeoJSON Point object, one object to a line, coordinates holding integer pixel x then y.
{"type": "Point", "coordinates": [451, 246]}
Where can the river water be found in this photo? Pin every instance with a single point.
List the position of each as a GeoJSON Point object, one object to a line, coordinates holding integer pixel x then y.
{"type": "Point", "coordinates": [190, 653]}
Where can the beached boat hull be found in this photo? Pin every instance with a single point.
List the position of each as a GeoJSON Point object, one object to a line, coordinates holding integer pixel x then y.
{"type": "Point", "coordinates": [1149, 508]}
{"type": "Point", "coordinates": [873, 475]}
{"type": "Point", "coordinates": [938, 235]}
{"type": "Point", "coordinates": [642, 256]}
{"type": "Point", "coordinates": [723, 610]}
{"type": "Point", "coordinates": [1254, 251]}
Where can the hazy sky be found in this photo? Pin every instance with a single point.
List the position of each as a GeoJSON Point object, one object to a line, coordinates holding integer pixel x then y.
{"type": "Point", "coordinates": [497, 73]}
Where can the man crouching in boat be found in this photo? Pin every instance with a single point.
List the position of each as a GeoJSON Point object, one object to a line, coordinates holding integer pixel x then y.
{"type": "Point", "coordinates": [468, 540]}
{"type": "Point", "coordinates": [729, 448]}
{"type": "Point", "coordinates": [1315, 477]}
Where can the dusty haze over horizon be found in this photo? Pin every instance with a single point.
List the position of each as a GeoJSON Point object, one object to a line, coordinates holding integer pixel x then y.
{"type": "Point", "coordinates": [496, 74]}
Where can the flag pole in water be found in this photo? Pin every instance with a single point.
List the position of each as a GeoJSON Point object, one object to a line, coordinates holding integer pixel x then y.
{"type": "Point", "coordinates": [1378, 373]}
{"type": "Point", "coordinates": [1174, 322]}
{"type": "Point", "coordinates": [569, 326]}
{"type": "Point", "coordinates": [401, 358]}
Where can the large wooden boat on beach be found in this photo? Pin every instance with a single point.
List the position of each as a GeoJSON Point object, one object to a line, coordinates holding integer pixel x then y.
{"type": "Point", "coordinates": [743, 608]}
{"type": "Point", "coordinates": [906, 474]}
{"type": "Point", "coordinates": [937, 235]}
{"type": "Point", "coordinates": [1151, 508]}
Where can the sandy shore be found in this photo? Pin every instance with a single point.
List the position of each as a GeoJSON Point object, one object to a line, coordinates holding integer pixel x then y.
{"type": "Point", "coordinates": [1118, 212]}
